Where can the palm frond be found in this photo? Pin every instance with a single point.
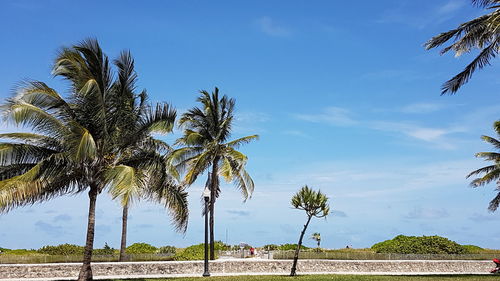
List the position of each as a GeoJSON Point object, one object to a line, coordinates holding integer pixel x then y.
{"type": "Point", "coordinates": [124, 183]}
{"type": "Point", "coordinates": [34, 139]}
{"type": "Point", "coordinates": [487, 178]}
{"type": "Point", "coordinates": [86, 149]}
{"type": "Point", "coordinates": [244, 140]}
{"type": "Point", "coordinates": [19, 153]}
{"type": "Point", "coordinates": [493, 141]}
{"type": "Point", "coordinates": [158, 120]}
{"type": "Point", "coordinates": [39, 120]}
{"type": "Point", "coordinates": [480, 61]}
{"type": "Point", "coordinates": [489, 156]}
{"type": "Point", "coordinates": [485, 3]}
{"type": "Point", "coordinates": [196, 166]}
{"type": "Point", "coordinates": [493, 206]}
{"type": "Point", "coordinates": [174, 197]}
{"type": "Point", "coordinates": [485, 170]}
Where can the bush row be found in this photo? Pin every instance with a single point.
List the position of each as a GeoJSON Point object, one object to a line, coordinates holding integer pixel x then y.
{"type": "Point", "coordinates": [402, 244]}
{"type": "Point", "coordinates": [71, 249]}
{"type": "Point", "coordinates": [283, 247]}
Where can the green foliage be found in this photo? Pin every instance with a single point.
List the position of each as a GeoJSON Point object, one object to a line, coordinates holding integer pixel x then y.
{"type": "Point", "coordinates": [106, 251]}
{"type": "Point", "coordinates": [20, 252]}
{"type": "Point", "coordinates": [167, 250]}
{"type": "Point", "coordinates": [270, 247]}
{"type": "Point", "coordinates": [473, 249]}
{"type": "Point", "coordinates": [490, 173]}
{"type": "Point", "coordinates": [197, 252]}
{"type": "Point", "coordinates": [141, 248]}
{"type": "Point", "coordinates": [314, 203]}
{"type": "Point", "coordinates": [402, 244]}
{"type": "Point", "coordinates": [63, 250]}
{"type": "Point", "coordinates": [288, 247]}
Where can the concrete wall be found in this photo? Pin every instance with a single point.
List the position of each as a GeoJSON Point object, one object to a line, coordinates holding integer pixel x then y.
{"type": "Point", "coordinates": [70, 271]}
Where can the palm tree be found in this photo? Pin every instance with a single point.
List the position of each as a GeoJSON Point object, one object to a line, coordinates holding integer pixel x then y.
{"type": "Point", "coordinates": [481, 33]}
{"type": "Point", "coordinates": [206, 146]}
{"type": "Point", "coordinates": [316, 236]}
{"type": "Point", "coordinates": [73, 146]}
{"type": "Point", "coordinates": [491, 172]}
{"type": "Point", "coordinates": [138, 149]}
{"type": "Point", "coordinates": [315, 204]}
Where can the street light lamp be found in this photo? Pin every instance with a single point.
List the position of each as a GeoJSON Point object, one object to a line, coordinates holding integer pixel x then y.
{"type": "Point", "coordinates": [206, 196]}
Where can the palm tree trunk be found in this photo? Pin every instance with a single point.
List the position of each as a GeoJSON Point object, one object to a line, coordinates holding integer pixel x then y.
{"type": "Point", "coordinates": [123, 245]}
{"type": "Point", "coordinates": [86, 270]}
{"type": "Point", "coordinates": [213, 190]}
{"type": "Point", "coordinates": [296, 256]}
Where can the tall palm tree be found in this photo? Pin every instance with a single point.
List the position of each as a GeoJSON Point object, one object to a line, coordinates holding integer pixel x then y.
{"type": "Point", "coordinates": [491, 172]}
{"type": "Point", "coordinates": [316, 236]}
{"type": "Point", "coordinates": [206, 146]}
{"type": "Point", "coordinates": [481, 33]}
{"type": "Point", "coordinates": [73, 146]}
{"type": "Point", "coordinates": [136, 148]}
{"type": "Point", "coordinates": [315, 204]}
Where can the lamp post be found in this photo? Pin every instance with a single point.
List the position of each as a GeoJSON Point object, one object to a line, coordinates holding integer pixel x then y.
{"type": "Point", "coordinates": [206, 196]}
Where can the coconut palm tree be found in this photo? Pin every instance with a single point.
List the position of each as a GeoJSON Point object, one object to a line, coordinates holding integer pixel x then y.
{"type": "Point", "coordinates": [316, 236]}
{"type": "Point", "coordinates": [73, 146]}
{"type": "Point", "coordinates": [481, 33]}
{"type": "Point", "coordinates": [491, 172]}
{"type": "Point", "coordinates": [315, 204]}
{"type": "Point", "coordinates": [207, 130]}
{"type": "Point", "coordinates": [138, 149]}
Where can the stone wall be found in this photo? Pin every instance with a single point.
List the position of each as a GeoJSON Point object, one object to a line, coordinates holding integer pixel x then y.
{"type": "Point", "coordinates": [68, 271]}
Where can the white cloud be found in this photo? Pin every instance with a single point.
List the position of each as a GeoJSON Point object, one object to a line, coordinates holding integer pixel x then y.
{"type": "Point", "coordinates": [403, 13]}
{"type": "Point", "coordinates": [296, 133]}
{"type": "Point", "coordinates": [450, 7]}
{"type": "Point", "coordinates": [332, 115]}
{"type": "Point", "coordinates": [427, 213]}
{"type": "Point", "coordinates": [379, 180]}
{"type": "Point", "coordinates": [249, 123]}
{"type": "Point", "coordinates": [270, 27]}
{"type": "Point", "coordinates": [438, 137]}
{"type": "Point", "coordinates": [421, 108]}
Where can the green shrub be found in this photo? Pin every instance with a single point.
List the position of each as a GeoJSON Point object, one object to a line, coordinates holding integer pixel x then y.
{"type": "Point", "coordinates": [141, 248]}
{"type": "Point", "coordinates": [197, 252]}
{"type": "Point", "coordinates": [288, 247]}
{"type": "Point", "coordinates": [473, 249]}
{"type": "Point", "coordinates": [167, 250]}
{"type": "Point", "coordinates": [419, 245]}
{"type": "Point", "coordinates": [270, 247]}
{"type": "Point", "coordinates": [106, 251]}
{"type": "Point", "coordinates": [63, 250]}
{"type": "Point", "coordinates": [20, 252]}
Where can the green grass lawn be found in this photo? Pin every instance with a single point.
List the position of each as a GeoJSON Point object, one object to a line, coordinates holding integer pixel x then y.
{"type": "Point", "coordinates": [333, 278]}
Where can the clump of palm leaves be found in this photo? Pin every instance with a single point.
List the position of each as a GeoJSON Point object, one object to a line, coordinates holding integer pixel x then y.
{"type": "Point", "coordinates": [491, 172]}
{"type": "Point", "coordinates": [481, 33]}
{"type": "Point", "coordinates": [205, 145]}
{"type": "Point", "coordinates": [97, 137]}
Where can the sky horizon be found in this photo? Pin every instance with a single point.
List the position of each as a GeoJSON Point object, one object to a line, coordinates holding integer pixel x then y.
{"type": "Point", "coordinates": [343, 95]}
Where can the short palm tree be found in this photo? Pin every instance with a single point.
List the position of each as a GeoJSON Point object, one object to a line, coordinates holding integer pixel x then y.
{"type": "Point", "coordinates": [481, 33]}
{"type": "Point", "coordinates": [316, 236]}
{"type": "Point", "coordinates": [492, 172]}
{"type": "Point", "coordinates": [315, 204]}
{"type": "Point", "coordinates": [205, 146]}
{"type": "Point", "coordinates": [74, 145]}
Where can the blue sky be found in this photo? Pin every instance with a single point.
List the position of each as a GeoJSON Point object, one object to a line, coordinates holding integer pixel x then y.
{"type": "Point", "coordinates": [342, 94]}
